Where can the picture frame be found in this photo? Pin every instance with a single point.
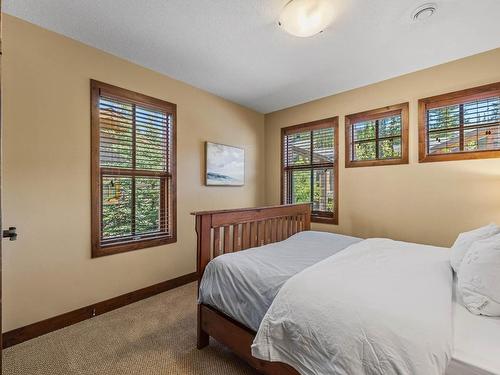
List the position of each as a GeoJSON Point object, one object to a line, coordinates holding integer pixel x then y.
{"type": "Point", "coordinates": [224, 165]}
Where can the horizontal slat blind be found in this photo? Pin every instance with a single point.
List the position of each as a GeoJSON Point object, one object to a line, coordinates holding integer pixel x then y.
{"type": "Point", "coordinates": [468, 126]}
{"type": "Point", "coordinates": [298, 147]}
{"type": "Point", "coordinates": [151, 139]}
{"type": "Point", "coordinates": [135, 154]}
{"type": "Point", "coordinates": [322, 144]}
{"type": "Point", "coordinates": [308, 169]}
{"type": "Point", "coordinates": [116, 133]}
{"type": "Point", "coordinates": [377, 139]}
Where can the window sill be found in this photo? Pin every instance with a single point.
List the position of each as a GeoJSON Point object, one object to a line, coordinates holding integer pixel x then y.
{"type": "Point", "coordinates": [374, 163]}
{"type": "Point", "coordinates": [324, 219]}
{"type": "Point", "coordinates": [99, 250]}
{"type": "Point", "coordinates": [463, 155]}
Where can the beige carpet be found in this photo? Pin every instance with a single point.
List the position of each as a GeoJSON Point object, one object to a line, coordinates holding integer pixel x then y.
{"type": "Point", "coordinates": [155, 336]}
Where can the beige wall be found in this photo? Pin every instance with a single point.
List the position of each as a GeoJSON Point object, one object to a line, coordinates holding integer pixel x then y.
{"type": "Point", "coordinates": [46, 175]}
{"type": "Point", "coordinates": [427, 203]}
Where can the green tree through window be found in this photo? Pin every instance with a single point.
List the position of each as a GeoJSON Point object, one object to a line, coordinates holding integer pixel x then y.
{"type": "Point", "coordinates": [377, 137]}
{"type": "Point", "coordinates": [460, 125]}
{"type": "Point", "coordinates": [465, 127]}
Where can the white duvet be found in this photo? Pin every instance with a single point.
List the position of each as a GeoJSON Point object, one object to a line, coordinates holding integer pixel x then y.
{"type": "Point", "coordinates": [378, 307]}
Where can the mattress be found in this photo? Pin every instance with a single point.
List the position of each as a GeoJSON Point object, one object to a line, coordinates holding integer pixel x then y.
{"type": "Point", "coordinates": [243, 285]}
{"type": "Point", "coordinates": [476, 342]}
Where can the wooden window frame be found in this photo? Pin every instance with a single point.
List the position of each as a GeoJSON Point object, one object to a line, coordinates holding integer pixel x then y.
{"type": "Point", "coordinates": [98, 250]}
{"type": "Point", "coordinates": [332, 122]}
{"type": "Point", "coordinates": [401, 109]}
{"type": "Point", "coordinates": [452, 98]}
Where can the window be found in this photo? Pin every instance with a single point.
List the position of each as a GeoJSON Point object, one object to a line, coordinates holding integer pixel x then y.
{"type": "Point", "coordinates": [377, 137]}
{"type": "Point", "coordinates": [310, 168]}
{"type": "Point", "coordinates": [133, 170]}
{"type": "Point", "coordinates": [460, 125]}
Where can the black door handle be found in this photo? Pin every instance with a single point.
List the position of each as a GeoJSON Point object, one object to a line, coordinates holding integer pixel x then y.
{"type": "Point", "coordinates": [10, 233]}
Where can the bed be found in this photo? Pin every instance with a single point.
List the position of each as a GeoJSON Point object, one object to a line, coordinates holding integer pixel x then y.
{"type": "Point", "coordinates": [235, 295]}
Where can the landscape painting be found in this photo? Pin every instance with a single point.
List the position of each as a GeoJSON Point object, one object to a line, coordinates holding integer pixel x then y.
{"type": "Point", "coordinates": [225, 165]}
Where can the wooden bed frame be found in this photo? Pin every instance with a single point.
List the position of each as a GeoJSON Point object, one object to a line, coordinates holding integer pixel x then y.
{"type": "Point", "coordinates": [226, 231]}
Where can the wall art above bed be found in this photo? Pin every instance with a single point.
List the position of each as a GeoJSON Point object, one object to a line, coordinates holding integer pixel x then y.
{"type": "Point", "coordinates": [224, 165]}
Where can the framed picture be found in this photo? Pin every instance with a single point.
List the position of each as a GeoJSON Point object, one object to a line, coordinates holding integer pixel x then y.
{"type": "Point", "coordinates": [225, 165]}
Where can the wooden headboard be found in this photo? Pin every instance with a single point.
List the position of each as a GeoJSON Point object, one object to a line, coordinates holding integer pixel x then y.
{"type": "Point", "coordinates": [226, 231]}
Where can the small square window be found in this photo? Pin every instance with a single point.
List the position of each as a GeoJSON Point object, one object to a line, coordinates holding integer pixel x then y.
{"type": "Point", "coordinates": [377, 137]}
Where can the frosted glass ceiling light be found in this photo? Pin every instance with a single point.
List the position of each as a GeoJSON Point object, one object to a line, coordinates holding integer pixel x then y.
{"type": "Point", "coordinates": [306, 18]}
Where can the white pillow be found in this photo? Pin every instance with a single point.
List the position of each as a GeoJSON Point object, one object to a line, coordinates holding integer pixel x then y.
{"type": "Point", "coordinates": [465, 240]}
{"type": "Point", "coordinates": [479, 277]}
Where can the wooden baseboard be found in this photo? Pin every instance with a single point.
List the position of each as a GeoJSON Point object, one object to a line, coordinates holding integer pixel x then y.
{"type": "Point", "coordinates": [31, 331]}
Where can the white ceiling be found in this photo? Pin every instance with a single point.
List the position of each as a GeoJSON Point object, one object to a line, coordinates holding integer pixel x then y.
{"type": "Point", "coordinates": [234, 48]}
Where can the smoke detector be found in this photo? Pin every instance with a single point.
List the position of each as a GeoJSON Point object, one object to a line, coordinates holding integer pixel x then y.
{"type": "Point", "coordinates": [423, 12]}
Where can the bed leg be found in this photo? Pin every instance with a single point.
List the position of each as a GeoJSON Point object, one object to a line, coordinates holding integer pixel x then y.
{"type": "Point", "coordinates": [202, 339]}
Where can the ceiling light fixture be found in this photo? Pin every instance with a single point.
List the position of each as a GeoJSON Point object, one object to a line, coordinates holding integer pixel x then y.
{"type": "Point", "coordinates": [304, 18]}
{"type": "Point", "coordinates": [423, 12]}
